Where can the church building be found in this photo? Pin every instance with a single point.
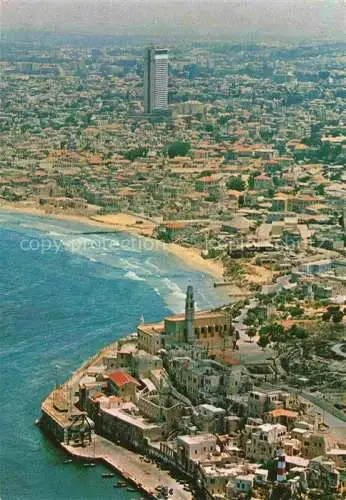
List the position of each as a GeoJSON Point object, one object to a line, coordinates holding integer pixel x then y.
{"type": "Point", "coordinates": [212, 329]}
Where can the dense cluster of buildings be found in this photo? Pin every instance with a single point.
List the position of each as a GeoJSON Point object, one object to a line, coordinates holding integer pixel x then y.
{"type": "Point", "coordinates": [171, 400]}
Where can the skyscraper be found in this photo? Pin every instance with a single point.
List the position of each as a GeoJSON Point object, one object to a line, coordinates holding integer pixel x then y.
{"type": "Point", "coordinates": [155, 80]}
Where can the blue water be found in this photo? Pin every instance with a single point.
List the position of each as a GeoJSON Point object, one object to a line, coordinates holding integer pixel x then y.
{"type": "Point", "coordinates": [63, 296]}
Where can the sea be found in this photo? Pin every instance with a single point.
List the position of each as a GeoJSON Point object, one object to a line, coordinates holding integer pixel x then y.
{"type": "Point", "coordinates": [65, 292]}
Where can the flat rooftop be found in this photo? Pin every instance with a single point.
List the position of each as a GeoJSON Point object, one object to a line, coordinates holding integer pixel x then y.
{"type": "Point", "coordinates": [134, 420]}
{"type": "Point", "coordinates": [198, 439]}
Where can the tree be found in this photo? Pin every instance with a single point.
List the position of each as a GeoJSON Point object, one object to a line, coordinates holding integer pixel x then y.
{"type": "Point", "coordinates": [205, 173]}
{"type": "Point", "coordinates": [296, 311]}
{"type": "Point", "coordinates": [178, 148]}
{"type": "Point", "coordinates": [320, 190]}
{"type": "Point", "coordinates": [333, 308]}
{"type": "Point", "coordinates": [236, 183]}
{"type": "Point", "coordinates": [250, 320]}
{"type": "Point", "coordinates": [223, 120]}
{"type": "Point", "coordinates": [276, 332]}
{"type": "Point", "coordinates": [251, 333]}
{"type": "Point", "coordinates": [209, 127]}
{"type": "Point", "coordinates": [251, 180]}
{"type": "Point", "coordinates": [337, 316]}
{"type": "Point", "coordinates": [326, 316]}
{"type": "Point", "coordinates": [298, 332]}
{"type": "Point", "coordinates": [266, 135]}
{"type": "Point", "coordinates": [132, 154]}
{"type": "Point", "coordinates": [263, 341]}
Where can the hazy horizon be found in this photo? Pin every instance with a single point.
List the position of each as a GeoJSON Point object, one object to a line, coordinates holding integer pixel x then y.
{"type": "Point", "coordinates": [234, 19]}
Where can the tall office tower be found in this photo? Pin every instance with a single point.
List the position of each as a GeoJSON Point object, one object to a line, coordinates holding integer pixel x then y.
{"type": "Point", "coordinates": [155, 80]}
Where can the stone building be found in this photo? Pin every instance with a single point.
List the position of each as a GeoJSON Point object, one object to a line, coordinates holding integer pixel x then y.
{"type": "Point", "coordinates": [323, 474]}
{"type": "Point", "coordinates": [198, 447]}
{"type": "Point", "coordinates": [161, 409]}
{"type": "Point", "coordinates": [264, 442]}
{"type": "Point", "coordinates": [199, 380]}
{"type": "Point", "coordinates": [261, 402]}
{"type": "Point", "coordinates": [212, 329]}
{"type": "Point", "coordinates": [210, 418]}
{"type": "Point", "coordinates": [314, 445]}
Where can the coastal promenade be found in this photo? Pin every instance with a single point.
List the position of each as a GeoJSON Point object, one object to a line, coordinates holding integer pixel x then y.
{"type": "Point", "coordinates": [146, 476]}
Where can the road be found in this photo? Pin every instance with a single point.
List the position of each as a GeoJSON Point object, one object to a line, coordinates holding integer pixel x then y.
{"type": "Point", "coordinates": [331, 420]}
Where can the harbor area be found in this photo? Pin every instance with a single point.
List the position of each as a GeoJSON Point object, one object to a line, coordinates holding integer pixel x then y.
{"type": "Point", "coordinates": [136, 469]}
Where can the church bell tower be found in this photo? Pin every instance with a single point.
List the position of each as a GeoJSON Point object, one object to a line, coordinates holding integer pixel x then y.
{"type": "Point", "coordinates": [190, 315]}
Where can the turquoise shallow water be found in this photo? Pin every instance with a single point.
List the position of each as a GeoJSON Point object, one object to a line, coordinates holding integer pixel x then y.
{"type": "Point", "coordinates": [63, 296]}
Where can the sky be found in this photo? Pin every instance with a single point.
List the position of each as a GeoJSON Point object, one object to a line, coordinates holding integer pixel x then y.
{"type": "Point", "coordinates": [228, 19]}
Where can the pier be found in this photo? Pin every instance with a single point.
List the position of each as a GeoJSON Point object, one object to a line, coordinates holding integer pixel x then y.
{"type": "Point", "coordinates": [144, 476]}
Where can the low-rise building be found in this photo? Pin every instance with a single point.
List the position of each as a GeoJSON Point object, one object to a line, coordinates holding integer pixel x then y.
{"type": "Point", "coordinates": [198, 447]}
{"type": "Point", "coordinates": [122, 384]}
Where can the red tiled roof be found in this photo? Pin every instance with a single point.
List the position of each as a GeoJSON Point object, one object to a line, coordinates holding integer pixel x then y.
{"type": "Point", "coordinates": [120, 378]}
{"type": "Point", "coordinates": [262, 177]}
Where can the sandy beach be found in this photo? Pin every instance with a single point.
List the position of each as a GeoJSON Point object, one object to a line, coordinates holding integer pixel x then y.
{"type": "Point", "coordinates": [134, 225]}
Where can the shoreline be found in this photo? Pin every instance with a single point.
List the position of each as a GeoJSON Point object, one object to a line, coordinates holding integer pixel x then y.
{"type": "Point", "coordinates": [121, 222]}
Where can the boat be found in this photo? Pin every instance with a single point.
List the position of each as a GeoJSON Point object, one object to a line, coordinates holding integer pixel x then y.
{"type": "Point", "coordinates": [107, 475]}
{"type": "Point", "coordinates": [133, 490]}
{"type": "Point", "coordinates": [120, 484]}
{"type": "Point", "coordinates": [68, 461]}
{"type": "Point", "coordinates": [89, 464]}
